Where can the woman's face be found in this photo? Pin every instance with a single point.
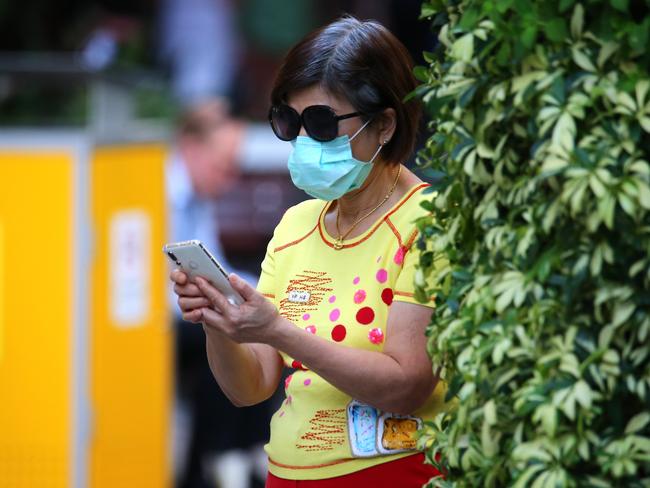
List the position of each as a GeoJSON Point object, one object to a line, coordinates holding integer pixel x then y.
{"type": "Point", "coordinates": [367, 141]}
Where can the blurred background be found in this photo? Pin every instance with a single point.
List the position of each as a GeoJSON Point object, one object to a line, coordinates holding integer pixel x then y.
{"type": "Point", "coordinates": [125, 125]}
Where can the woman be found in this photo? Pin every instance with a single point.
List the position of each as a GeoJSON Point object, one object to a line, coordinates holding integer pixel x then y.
{"type": "Point", "coordinates": [335, 299]}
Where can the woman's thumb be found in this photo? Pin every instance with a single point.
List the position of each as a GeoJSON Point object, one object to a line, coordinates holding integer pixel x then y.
{"type": "Point", "coordinates": [244, 289]}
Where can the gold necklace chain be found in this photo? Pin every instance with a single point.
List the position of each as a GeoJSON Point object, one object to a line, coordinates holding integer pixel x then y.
{"type": "Point", "coordinates": [338, 244]}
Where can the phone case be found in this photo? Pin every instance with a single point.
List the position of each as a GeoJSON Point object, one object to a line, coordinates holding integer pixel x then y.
{"type": "Point", "coordinates": [195, 260]}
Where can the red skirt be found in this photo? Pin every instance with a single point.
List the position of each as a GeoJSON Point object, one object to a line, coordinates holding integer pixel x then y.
{"type": "Point", "coordinates": [406, 472]}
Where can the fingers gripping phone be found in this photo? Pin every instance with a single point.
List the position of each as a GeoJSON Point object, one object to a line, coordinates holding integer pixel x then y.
{"type": "Point", "coordinates": [195, 260]}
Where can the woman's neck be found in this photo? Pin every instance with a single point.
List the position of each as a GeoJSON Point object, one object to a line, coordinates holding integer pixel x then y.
{"type": "Point", "coordinates": [374, 190]}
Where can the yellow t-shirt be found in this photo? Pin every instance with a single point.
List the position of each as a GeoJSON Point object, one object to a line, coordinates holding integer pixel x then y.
{"type": "Point", "coordinates": [344, 296]}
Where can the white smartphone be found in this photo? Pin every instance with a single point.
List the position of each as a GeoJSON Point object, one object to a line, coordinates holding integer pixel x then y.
{"type": "Point", "coordinates": [195, 260]}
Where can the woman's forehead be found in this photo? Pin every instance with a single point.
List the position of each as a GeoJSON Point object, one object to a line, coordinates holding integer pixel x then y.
{"type": "Point", "coordinates": [317, 95]}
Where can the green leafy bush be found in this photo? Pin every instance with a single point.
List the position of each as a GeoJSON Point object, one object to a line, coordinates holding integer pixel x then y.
{"type": "Point", "coordinates": [539, 154]}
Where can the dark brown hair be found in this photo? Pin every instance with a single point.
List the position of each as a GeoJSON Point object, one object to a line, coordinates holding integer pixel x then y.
{"type": "Point", "coordinates": [363, 63]}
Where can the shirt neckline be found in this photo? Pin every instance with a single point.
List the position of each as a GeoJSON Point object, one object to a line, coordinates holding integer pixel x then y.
{"type": "Point", "coordinates": [347, 243]}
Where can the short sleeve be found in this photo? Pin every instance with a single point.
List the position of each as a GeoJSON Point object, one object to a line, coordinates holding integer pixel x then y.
{"type": "Point", "coordinates": [266, 284]}
{"type": "Point", "coordinates": [405, 285]}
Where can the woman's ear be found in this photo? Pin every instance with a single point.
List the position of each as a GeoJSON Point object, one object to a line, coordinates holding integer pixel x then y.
{"type": "Point", "coordinates": [387, 125]}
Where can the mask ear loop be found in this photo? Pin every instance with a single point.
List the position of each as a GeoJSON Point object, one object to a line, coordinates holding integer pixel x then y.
{"type": "Point", "coordinates": [360, 129]}
{"type": "Point", "coordinates": [381, 146]}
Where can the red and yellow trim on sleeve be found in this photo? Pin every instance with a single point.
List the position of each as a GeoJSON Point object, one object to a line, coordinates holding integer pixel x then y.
{"type": "Point", "coordinates": [407, 294]}
{"type": "Point", "coordinates": [395, 231]}
{"type": "Point", "coordinates": [297, 241]}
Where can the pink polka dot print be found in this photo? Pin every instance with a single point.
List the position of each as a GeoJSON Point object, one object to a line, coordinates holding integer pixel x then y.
{"type": "Point", "coordinates": [382, 275]}
{"type": "Point", "coordinates": [332, 299]}
{"type": "Point", "coordinates": [399, 255]}
{"type": "Point", "coordinates": [287, 381]}
{"type": "Point", "coordinates": [307, 382]}
{"type": "Point", "coordinates": [356, 280]}
{"type": "Point", "coordinates": [359, 296]}
{"type": "Point", "coordinates": [311, 329]}
{"type": "Point", "coordinates": [376, 336]}
{"type": "Point", "coordinates": [281, 414]}
{"type": "Point", "coordinates": [335, 314]}
{"type": "Point", "coordinates": [306, 316]}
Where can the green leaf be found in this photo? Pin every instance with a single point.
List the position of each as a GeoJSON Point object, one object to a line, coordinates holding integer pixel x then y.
{"type": "Point", "coordinates": [637, 267]}
{"type": "Point", "coordinates": [606, 51]}
{"type": "Point", "coordinates": [489, 441]}
{"type": "Point", "coordinates": [619, 4]}
{"type": "Point", "coordinates": [463, 48]}
{"type": "Point", "coordinates": [638, 35]}
{"type": "Point", "coordinates": [582, 60]}
{"type": "Point", "coordinates": [547, 415]}
{"type": "Point", "coordinates": [566, 5]}
{"type": "Point", "coordinates": [622, 312]}
{"type": "Point", "coordinates": [469, 163]}
{"type": "Point", "coordinates": [606, 207]}
{"type": "Point", "coordinates": [428, 10]}
{"type": "Point", "coordinates": [605, 336]}
{"type": "Point", "coordinates": [627, 204]}
{"type": "Point", "coordinates": [637, 423]}
{"type": "Point", "coordinates": [490, 412]}
{"type": "Point", "coordinates": [583, 394]}
{"type": "Point", "coordinates": [556, 29]}
{"type": "Point", "coordinates": [641, 90]}
{"type": "Point", "coordinates": [645, 123]}
{"type": "Point", "coordinates": [504, 53]}
{"type": "Point", "coordinates": [583, 449]}
{"type": "Point", "coordinates": [469, 19]}
{"type": "Point", "coordinates": [577, 21]}
{"type": "Point", "coordinates": [467, 96]}
{"type": "Point", "coordinates": [505, 299]}
{"type": "Point", "coordinates": [529, 35]}
{"type": "Point", "coordinates": [644, 194]}
{"type": "Point", "coordinates": [530, 451]}
{"type": "Point", "coordinates": [421, 73]}
{"type": "Point", "coordinates": [597, 186]}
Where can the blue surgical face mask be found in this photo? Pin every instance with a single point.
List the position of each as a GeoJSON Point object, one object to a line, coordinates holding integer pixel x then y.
{"type": "Point", "coordinates": [327, 170]}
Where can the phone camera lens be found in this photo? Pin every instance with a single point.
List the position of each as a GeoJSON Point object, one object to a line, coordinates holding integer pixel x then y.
{"type": "Point", "coordinates": [173, 256]}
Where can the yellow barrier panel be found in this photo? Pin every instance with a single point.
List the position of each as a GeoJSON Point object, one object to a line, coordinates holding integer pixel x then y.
{"type": "Point", "coordinates": [130, 337]}
{"type": "Point", "coordinates": [36, 310]}
{"type": "Point", "coordinates": [2, 290]}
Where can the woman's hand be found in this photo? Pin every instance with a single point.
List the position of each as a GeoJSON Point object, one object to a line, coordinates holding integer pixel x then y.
{"type": "Point", "coordinates": [255, 320]}
{"type": "Point", "coordinates": [190, 298]}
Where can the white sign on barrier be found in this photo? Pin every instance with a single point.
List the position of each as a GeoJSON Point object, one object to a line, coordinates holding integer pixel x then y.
{"type": "Point", "coordinates": [130, 265]}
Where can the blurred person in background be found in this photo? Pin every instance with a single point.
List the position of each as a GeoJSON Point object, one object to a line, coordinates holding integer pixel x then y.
{"type": "Point", "coordinates": [198, 40]}
{"type": "Point", "coordinates": [214, 443]}
{"type": "Point", "coordinates": [335, 301]}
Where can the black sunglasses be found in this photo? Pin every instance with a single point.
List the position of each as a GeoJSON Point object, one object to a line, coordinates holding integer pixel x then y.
{"type": "Point", "coordinates": [319, 121]}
